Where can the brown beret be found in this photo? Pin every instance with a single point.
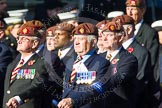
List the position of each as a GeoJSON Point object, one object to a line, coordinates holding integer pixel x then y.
{"type": "Point", "coordinates": [35, 24]}
{"type": "Point", "coordinates": [50, 31]}
{"type": "Point", "coordinates": [101, 24]}
{"type": "Point", "coordinates": [85, 29]}
{"type": "Point", "coordinates": [65, 27]}
{"type": "Point", "coordinates": [28, 31]}
{"type": "Point", "coordinates": [136, 3]}
{"type": "Point", "coordinates": [113, 27]}
{"type": "Point", "coordinates": [123, 19]}
{"type": "Point", "coordinates": [2, 25]}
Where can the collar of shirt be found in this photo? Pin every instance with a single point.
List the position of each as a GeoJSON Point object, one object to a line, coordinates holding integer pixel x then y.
{"type": "Point", "coordinates": [27, 58]}
{"type": "Point", "coordinates": [65, 51]}
{"type": "Point", "coordinates": [114, 53]}
{"type": "Point", "coordinates": [127, 43]}
{"type": "Point", "coordinates": [86, 56]}
{"type": "Point", "coordinates": [137, 27]}
{"type": "Point", "coordinates": [39, 48]}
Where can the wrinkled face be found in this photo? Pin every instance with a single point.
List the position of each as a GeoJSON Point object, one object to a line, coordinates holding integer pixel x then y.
{"type": "Point", "coordinates": [81, 44]}
{"type": "Point", "coordinates": [136, 13]}
{"type": "Point", "coordinates": [50, 43]}
{"type": "Point", "coordinates": [61, 38]}
{"type": "Point", "coordinates": [3, 6]}
{"type": "Point", "coordinates": [110, 40]}
{"type": "Point", "coordinates": [24, 44]}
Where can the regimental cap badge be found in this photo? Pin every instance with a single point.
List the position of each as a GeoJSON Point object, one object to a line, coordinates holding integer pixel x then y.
{"type": "Point", "coordinates": [112, 27]}
{"type": "Point", "coordinates": [81, 30]}
{"type": "Point", "coordinates": [25, 31]}
{"type": "Point", "coordinates": [133, 2]}
{"type": "Point", "coordinates": [50, 32]}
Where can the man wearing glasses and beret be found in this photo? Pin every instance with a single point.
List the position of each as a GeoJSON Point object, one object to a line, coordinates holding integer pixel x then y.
{"type": "Point", "coordinates": [26, 74]}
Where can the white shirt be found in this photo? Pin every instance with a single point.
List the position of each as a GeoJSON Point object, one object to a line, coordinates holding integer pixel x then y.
{"type": "Point", "coordinates": [137, 27]}
{"type": "Point", "coordinates": [113, 54]}
{"type": "Point", "coordinates": [127, 43]}
{"type": "Point", "coordinates": [65, 51]}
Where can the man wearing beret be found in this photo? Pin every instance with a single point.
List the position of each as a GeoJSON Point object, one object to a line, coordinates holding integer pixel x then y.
{"type": "Point", "coordinates": [123, 68]}
{"type": "Point", "coordinates": [144, 34]}
{"type": "Point", "coordinates": [26, 74]}
{"type": "Point", "coordinates": [41, 28]}
{"type": "Point", "coordinates": [100, 25]}
{"type": "Point", "coordinates": [144, 74]}
{"type": "Point", "coordinates": [84, 71]}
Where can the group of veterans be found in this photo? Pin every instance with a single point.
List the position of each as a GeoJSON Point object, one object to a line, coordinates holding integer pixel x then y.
{"type": "Point", "coordinates": [111, 64]}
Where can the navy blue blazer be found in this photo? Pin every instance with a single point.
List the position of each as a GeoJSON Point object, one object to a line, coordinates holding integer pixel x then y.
{"type": "Point", "coordinates": [83, 94]}
{"type": "Point", "coordinates": [120, 80]}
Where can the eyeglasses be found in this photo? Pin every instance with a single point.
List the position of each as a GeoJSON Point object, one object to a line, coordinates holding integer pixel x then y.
{"type": "Point", "coordinates": [23, 39]}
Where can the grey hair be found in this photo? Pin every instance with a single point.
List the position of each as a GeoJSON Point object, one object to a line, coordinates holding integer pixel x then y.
{"type": "Point", "coordinates": [35, 38]}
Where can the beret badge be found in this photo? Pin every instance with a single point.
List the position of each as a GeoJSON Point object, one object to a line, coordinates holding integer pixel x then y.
{"type": "Point", "coordinates": [81, 30]}
{"type": "Point", "coordinates": [133, 2]}
{"type": "Point", "coordinates": [50, 32]}
{"type": "Point", "coordinates": [25, 31]}
{"type": "Point", "coordinates": [112, 27]}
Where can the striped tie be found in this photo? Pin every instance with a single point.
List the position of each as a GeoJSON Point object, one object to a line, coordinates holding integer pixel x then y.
{"type": "Point", "coordinates": [73, 73]}
{"type": "Point", "coordinates": [14, 72]}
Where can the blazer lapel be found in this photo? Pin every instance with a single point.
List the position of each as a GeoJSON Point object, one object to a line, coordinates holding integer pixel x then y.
{"type": "Point", "coordinates": [26, 65]}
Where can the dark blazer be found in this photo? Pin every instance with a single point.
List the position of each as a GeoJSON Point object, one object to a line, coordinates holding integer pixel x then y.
{"type": "Point", "coordinates": [29, 90]}
{"type": "Point", "coordinates": [148, 38]}
{"type": "Point", "coordinates": [78, 92]}
{"type": "Point", "coordinates": [143, 75]}
{"type": "Point", "coordinates": [5, 59]}
{"type": "Point", "coordinates": [120, 81]}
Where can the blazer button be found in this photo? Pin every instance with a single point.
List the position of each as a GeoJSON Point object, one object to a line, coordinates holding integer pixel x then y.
{"type": "Point", "coordinates": [8, 91]}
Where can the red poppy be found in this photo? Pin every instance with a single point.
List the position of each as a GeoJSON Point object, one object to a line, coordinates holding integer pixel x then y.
{"type": "Point", "coordinates": [31, 62]}
{"type": "Point", "coordinates": [114, 61]}
{"type": "Point", "coordinates": [130, 49]}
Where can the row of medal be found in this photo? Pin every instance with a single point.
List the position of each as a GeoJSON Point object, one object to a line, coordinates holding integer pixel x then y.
{"type": "Point", "coordinates": [86, 77]}
{"type": "Point", "coordinates": [26, 74]}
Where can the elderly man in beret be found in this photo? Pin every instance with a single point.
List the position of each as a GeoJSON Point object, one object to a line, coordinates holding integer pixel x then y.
{"type": "Point", "coordinates": [100, 25]}
{"type": "Point", "coordinates": [144, 75]}
{"type": "Point", "coordinates": [26, 74]}
{"type": "Point", "coordinates": [145, 35]}
{"type": "Point", "coordinates": [123, 67]}
{"type": "Point", "coordinates": [84, 70]}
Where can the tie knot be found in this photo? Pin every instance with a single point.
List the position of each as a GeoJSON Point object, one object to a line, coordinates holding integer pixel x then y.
{"type": "Point", "coordinates": [108, 57]}
{"type": "Point", "coordinates": [59, 53]}
{"type": "Point", "coordinates": [79, 58]}
{"type": "Point", "coordinates": [21, 61]}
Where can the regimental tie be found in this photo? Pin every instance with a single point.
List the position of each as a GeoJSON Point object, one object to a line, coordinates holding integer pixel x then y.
{"type": "Point", "coordinates": [15, 71]}
{"type": "Point", "coordinates": [59, 53]}
{"type": "Point", "coordinates": [73, 73]}
{"type": "Point", "coordinates": [108, 57]}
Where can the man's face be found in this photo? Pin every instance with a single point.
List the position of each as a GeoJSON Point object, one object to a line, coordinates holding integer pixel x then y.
{"type": "Point", "coordinates": [81, 45]}
{"type": "Point", "coordinates": [50, 43]}
{"type": "Point", "coordinates": [110, 40]}
{"type": "Point", "coordinates": [3, 6]}
{"type": "Point", "coordinates": [61, 38]}
{"type": "Point", "coordinates": [136, 13]}
{"type": "Point", "coordinates": [24, 44]}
